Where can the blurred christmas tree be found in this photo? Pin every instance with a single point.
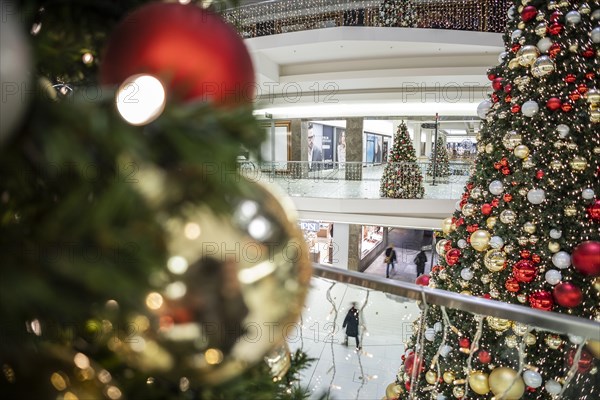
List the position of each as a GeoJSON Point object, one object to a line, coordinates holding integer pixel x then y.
{"type": "Point", "coordinates": [528, 229]}
{"type": "Point", "coordinates": [402, 178]}
{"type": "Point", "coordinates": [137, 262]}
{"type": "Point", "coordinates": [442, 166]}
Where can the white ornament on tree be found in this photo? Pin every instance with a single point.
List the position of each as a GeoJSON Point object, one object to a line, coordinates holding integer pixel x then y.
{"type": "Point", "coordinates": [553, 276]}
{"type": "Point", "coordinates": [483, 108]}
{"type": "Point", "coordinates": [561, 260]}
{"type": "Point", "coordinates": [563, 130]}
{"type": "Point", "coordinates": [496, 187]}
{"type": "Point", "coordinates": [553, 387]}
{"type": "Point", "coordinates": [536, 196]}
{"type": "Point", "coordinates": [544, 44]}
{"type": "Point", "coordinates": [555, 233]}
{"type": "Point", "coordinates": [496, 242]}
{"type": "Point", "coordinates": [588, 193]}
{"type": "Point", "coordinates": [532, 378]}
{"type": "Point", "coordinates": [530, 108]}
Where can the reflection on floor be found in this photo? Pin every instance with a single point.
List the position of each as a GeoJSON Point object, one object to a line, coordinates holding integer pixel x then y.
{"type": "Point", "coordinates": [343, 372]}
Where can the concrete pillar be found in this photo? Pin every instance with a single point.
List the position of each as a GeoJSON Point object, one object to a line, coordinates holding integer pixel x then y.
{"type": "Point", "coordinates": [428, 147]}
{"type": "Point", "coordinates": [354, 148]}
{"type": "Point", "coordinates": [417, 138]}
{"type": "Point", "coordinates": [341, 238]}
{"type": "Point", "coordinates": [354, 244]}
{"type": "Point", "coordinates": [296, 145]}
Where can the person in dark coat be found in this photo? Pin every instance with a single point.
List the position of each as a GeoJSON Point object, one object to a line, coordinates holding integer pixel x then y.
{"type": "Point", "coordinates": [351, 325]}
{"type": "Point", "coordinates": [420, 260]}
{"type": "Point", "coordinates": [390, 259]}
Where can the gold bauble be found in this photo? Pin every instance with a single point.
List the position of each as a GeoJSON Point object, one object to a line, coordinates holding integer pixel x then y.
{"type": "Point", "coordinates": [521, 151]}
{"type": "Point", "coordinates": [478, 381]}
{"type": "Point", "coordinates": [458, 391]}
{"type": "Point", "coordinates": [491, 222]}
{"type": "Point", "coordinates": [495, 260]}
{"type": "Point", "coordinates": [440, 246]}
{"type": "Point", "coordinates": [595, 116]}
{"type": "Point", "coordinates": [489, 148]}
{"type": "Point", "coordinates": [578, 163]}
{"type": "Point", "coordinates": [447, 225]}
{"type": "Point", "coordinates": [597, 150]}
{"type": "Point", "coordinates": [506, 383]}
{"type": "Point", "coordinates": [486, 278]}
{"type": "Point", "coordinates": [508, 216]}
{"type": "Point", "coordinates": [572, 146]}
{"type": "Point", "coordinates": [530, 339]}
{"type": "Point", "coordinates": [528, 163]}
{"type": "Point", "coordinates": [469, 209]}
{"type": "Point", "coordinates": [480, 240]}
{"type": "Point", "coordinates": [476, 193]}
{"type": "Point", "coordinates": [529, 227]}
{"type": "Point", "coordinates": [542, 66]}
{"type": "Point", "coordinates": [495, 293]}
{"type": "Point", "coordinates": [593, 96]}
{"type": "Point", "coordinates": [509, 248]}
{"type": "Point", "coordinates": [553, 341]}
{"type": "Point", "coordinates": [443, 275]}
{"type": "Point", "coordinates": [519, 328]}
{"type": "Point", "coordinates": [574, 48]}
{"type": "Point", "coordinates": [513, 63]}
{"type": "Point", "coordinates": [466, 293]}
{"type": "Point", "coordinates": [594, 347]}
{"type": "Point", "coordinates": [596, 284]}
{"type": "Point", "coordinates": [511, 140]}
{"type": "Point", "coordinates": [522, 298]}
{"type": "Point", "coordinates": [480, 148]}
{"type": "Point", "coordinates": [570, 211]}
{"type": "Point", "coordinates": [511, 341]}
{"type": "Point", "coordinates": [540, 29]}
{"type": "Point", "coordinates": [554, 247]}
{"type": "Point", "coordinates": [448, 377]}
{"type": "Point", "coordinates": [522, 240]}
{"type": "Point", "coordinates": [393, 390]}
{"type": "Point", "coordinates": [533, 239]}
{"type": "Point", "coordinates": [527, 55]}
{"type": "Point", "coordinates": [498, 324]}
{"type": "Point", "coordinates": [523, 191]}
{"type": "Point", "coordinates": [431, 377]}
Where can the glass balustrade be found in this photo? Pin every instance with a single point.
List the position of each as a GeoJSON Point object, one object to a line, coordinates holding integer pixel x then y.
{"type": "Point", "coordinates": [357, 179]}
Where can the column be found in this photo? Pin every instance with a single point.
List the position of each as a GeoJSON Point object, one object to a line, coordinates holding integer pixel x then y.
{"type": "Point", "coordinates": [354, 148]}
{"type": "Point", "coordinates": [298, 148]}
{"type": "Point", "coordinates": [417, 138]}
{"type": "Point", "coordinates": [354, 244]}
{"type": "Point", "coordinates": [341, 237]}
{"type": "Point", "coordinates": [428, 147]}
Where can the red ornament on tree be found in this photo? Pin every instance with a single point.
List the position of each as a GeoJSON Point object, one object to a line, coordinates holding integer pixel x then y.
{"type": "Point", "coordinates": [497, 165]}
{"type": "Point", "coordinates": [536, 258]}
{"type": "Point", "coordinates": [486, 209]}
{"type": "Point", "coordinates": [582, 88]}
{"type": "Point", "coordinates": [555, 17]}
{"type": "Point", "coordinates": [585, 363]}
{"type": "Point", "coordinates": [491, 76]}
{"type": "Point", "coordinates": [515, 108]}
{"type": "Point", "coordinates": [495, 97]}
{"type": "Point", "coordinates": [472, 228]}
{"type": "Point", "coordinates": [528, 13]}
{"type": "Point", "coordinates": [525, 254]}
{"type": "Point", "coordinates": [574, 95]}
{"type": "Point", "coordinates": [507, 88]}
{"type": "Point", "coordinates": [555, 29]}
{"type": "Point", "coordinates": [452, 256]}
{"type": "Point", "coordinates": [590, 76]}
{"type": "Point", "coordinates": [515, 47]}
{"type": "Point", "coordinates": [464, 342]}
{"type": "Point", "coordinates": [554, 50]}
{"type": "Point", "coordinates": [524, 271]}
{"type": "Point", "coordinates": [566, 107]}
{"type": "Point", "coordinates": [506, 171]}
{"type": "Point", "coordinates": [567, 295]}
{"type": "Point", "coordinates": [512, 285]}
{"type": "Point", "coordinates": [570, 78]}
{"type": "Point", "coordinates": [192, 51]}
{"type": "Point", "coordinates": [495, 202]}
{"type": "Point", "coordinates": [539, 174]}
{"type": "Point", "coordinates": [412, 361]}
{"type": "Point", "coordinates": [497, 83]}
{"type": "Point", "coordinates": [484, 356]}
{"type": "Point", "coordinates": [542, 300]}
{"type": "Point", "coordinates": [507, 197]}
{"type": "Point", "coordinates": [553, 103]}
{"type": "Point", "coordinates": [423, 280]}
{"type": "Point", "coordinates": [588, 53]}
{"type": "Point", "coordinates": [504, 162]}
{"type": "Point", "coordinates": [448, 245]}
{"type": "Point", "coordinates": [586, 258]}
{"type": "Point", "coordinates": [508, 99]}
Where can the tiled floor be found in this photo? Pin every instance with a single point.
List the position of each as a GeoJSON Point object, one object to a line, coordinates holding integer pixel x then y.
{"type": "Point", "coordinates": [343, 372]}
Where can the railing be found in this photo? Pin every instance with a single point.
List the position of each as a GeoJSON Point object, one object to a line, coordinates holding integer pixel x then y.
{"type": "Point", "coordinates": [281, 16]}
{"type": "Point", "coordinates": [359, 179]}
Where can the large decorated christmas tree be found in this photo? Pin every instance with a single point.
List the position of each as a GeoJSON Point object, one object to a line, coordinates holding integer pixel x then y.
{"type": "Point", "coordinates": [528, 228]}
{"type": "Point", "coordinates": [402, 178]}
{"type": "Point", "coordinates": [442, 165]}
{"type": "Point", "coordinates": [136, 262]}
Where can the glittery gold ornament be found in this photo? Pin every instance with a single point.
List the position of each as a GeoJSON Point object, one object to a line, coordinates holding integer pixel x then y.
{"type": "Point", "coordinates": [393, 390]}
{"type": "Point", "coordinates": [443, 275]}
{"type": "Point", "coordinates": [509, 248]}
{"type": "Point", "coordinates": [596, 284]}
{"type": "Point", "coordinates": [489, 148]}
{"type": "Point", "coordinates": [448, 377]}
{"type": "Point", "coordinates": [519, 328]}
{"type": "Point", "coordinates": [528, 163]}
{"type": "Point", "coordinates": [490, 222]}
{"type": "Point", "coordinates": [476, 193]}
{"type": "Point", "coordinates": [431, 377]}
{"type": "Point", "coordinates": [521, 151]}
{"type": "Point", "coordinates": [508, 216]}
{"type": "Point", "coordinates": [578, 163]}
{"type": "Point", "coordinates": [529, 227]}
{"type": "Point", "coordinates": [480, 240]}
{"type": "Point", "coordinates": [469, 209]}
{"type": "Point", "coordinates": [511, 140]}
{"type": "Point", "coordinates": [595, 116]}
{"type": "Point", "coordinates": [522, 298]}
{"type": "Point", "coordinates": [555, 165]}
{"type": "Point", "coordinates": [486, 278]}
{"type": "Point", "coordinates": [494, 293]}
{"type": "Point", "coordinates": [478, 381]}
{"type": "Point", "coordinates": [542, 66]}
{"type": "Point", "coordinates": [494, 260]}
{"type": "Point", "coordinates": [533, 239]}
{"type": "Point", "coordinates": [507, 383]}
{"type": "Point", "coordinates": [593, 96]}
{"type": "Point", "coordinates": [523, 191]}
{"type": "Point", "coordinates": [530, 339]}
{"type": "Point", "coordinates": [594, 347]}
{"type": "Point", "coordinates": [498, 324]}
{"type": "Point", "coordinates": [553, 341]}
{"type": "Point", "coordinates": [570, 211]}
{"type": "Point", "coordinates": [572, 146]}
{"type": "Point", "coordinates": [513, 63]}
{"type": "Point", "coordinates": [440, 246]}
{"type": "Point", "coordinates": [447, 225]}
{"type": "Point", "coordinates": [527, 55]}
{"type": "Point", "coordinates": [540, 29]}
{"type": "Point", "coordinates": [596, 150]}
{"type": "Point", "coordinates": [554, 247]}
{"type": "Point", "coordinates": [458, 392]}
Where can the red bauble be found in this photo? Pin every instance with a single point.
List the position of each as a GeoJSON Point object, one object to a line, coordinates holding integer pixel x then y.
{"type": "Point", "coordinates": [566, 107]}
{"type": "Point", "coordinates": [536, 258]}
{"type": "Point", "coordinates": [574, 95]}
{"type": "Point", "coordinates": [452, 256]}
{"type": "Point", "coordinates": [497, 165]}
{"type": "Point", "coordinates": [448, 245]}
{"type": "Point", "coordinates": [542, 300]}
{"type": "Point", "coordinates": [594, 211]}
{"type": "Point", "coordinates": [507, 197]}
{"type": "Point", "coordinates": [556, 15]}
{"type": "Point", "coordinates": [423, 280]}
{"type": "Point", "coordinates": [491, 76]}
{"type": "Point", "coordinates": [524, 271]}
{"type": "Point", "coordinates": [484, 356]}
{"type": "Point", "coordinates": [539, 174]}
{"type": "Point", "coordinates": [553, 103]}
{"type": "Point", "coordinates": [554, 50]}
{"type": "Point", "coordinates": [407, 386]}
{"type": "Point", "coordinates": [192, 51]}
{"type": "Point", "coordinates": [528, 13]}
{"type": "Point", "coordinates": [505, 171]}
{"type": "Point", "coordinates": [525, 254]}
{"type": "Point", "coordinates": [504, 162]}
{"type": "Point", "coordinates": [495, 202]}
{"type": "Point", "coordinates": [515, 108]}
{"type": "Point", "coordinates": [470, 186]}
{"type": "Point", "coordinates": [555, 29]}
{"type": "Point", "coordinates": [582, 88]}
{"type": "Point", "coordinates": [570, 78]}
{"type": "Point", "coordinates": [567, 295]}
{"type": "Point", "coordinates": [507, 88]}
{"type": "Point", "coordinates": [590, 75]}
{"type": "Point", "coordinates": [495, 97]}
{"type": "Point", "coordinates": [486, 209]}
{"type": "Point", "coordinates": [411, 361]}
{"type": "Point", "coordinates": [487, 296]}
{"type": "Point", "coordinates": [497, 83]}
{"type": "Point", "coordinates": [472, 228]}
{"type": "Point", "coordinates": [586, 258]}
{"type": "Point", "coordinates": [585, 360]}
{"type": "Point", "coordinates": [464, 342]}
{"type": "Point", "coordinates": [508, 99]}
{"type": "Point", "coordinates": [512, 285]}
{"type": "Point", "coordinates": [588, 53]}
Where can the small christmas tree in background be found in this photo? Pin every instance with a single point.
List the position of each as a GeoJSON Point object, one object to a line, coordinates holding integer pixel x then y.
{"type": "Point", "coordinates": [442, 167]}
{"type": "Point", "coordinates": [397, 13]}
{"type": "Point", "coordinates": [129, 240]}
{"type": "Point", "coordinates": [402, 178]}
{"type": "Point", "coordinates": [528, 228]}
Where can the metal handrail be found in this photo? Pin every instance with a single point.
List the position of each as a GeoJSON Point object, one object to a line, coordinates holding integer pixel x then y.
{"type": "Point", "coordinates": [546, 320]}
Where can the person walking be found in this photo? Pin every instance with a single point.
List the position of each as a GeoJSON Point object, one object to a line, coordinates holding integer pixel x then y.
{"type": "Point", "coordinates": [390, 259]}
{"type": "Point", "coordinates": [351, 325]}
{"type": "Point", "coordinates": [420, 260]}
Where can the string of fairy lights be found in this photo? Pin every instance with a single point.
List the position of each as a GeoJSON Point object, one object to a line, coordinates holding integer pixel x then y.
{"type": "Point", "coordinates": [267, 18]}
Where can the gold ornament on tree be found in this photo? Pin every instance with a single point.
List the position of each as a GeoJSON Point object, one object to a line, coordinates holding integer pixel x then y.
{"type": "Point", "coordinates": [478, 381]}
{"type": "Point", "coordinates": [393, 390]}
{"type": "Point", "coordinates": [494, 260]}
{"type": "Point", "coordinates": [506, 383]}
{"type": "Point", "coordinates": [480, 240]}
{"type": "Point", "coordinates": [527, 55]}
{"type": "Point", "coordinates": [431, 377]}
